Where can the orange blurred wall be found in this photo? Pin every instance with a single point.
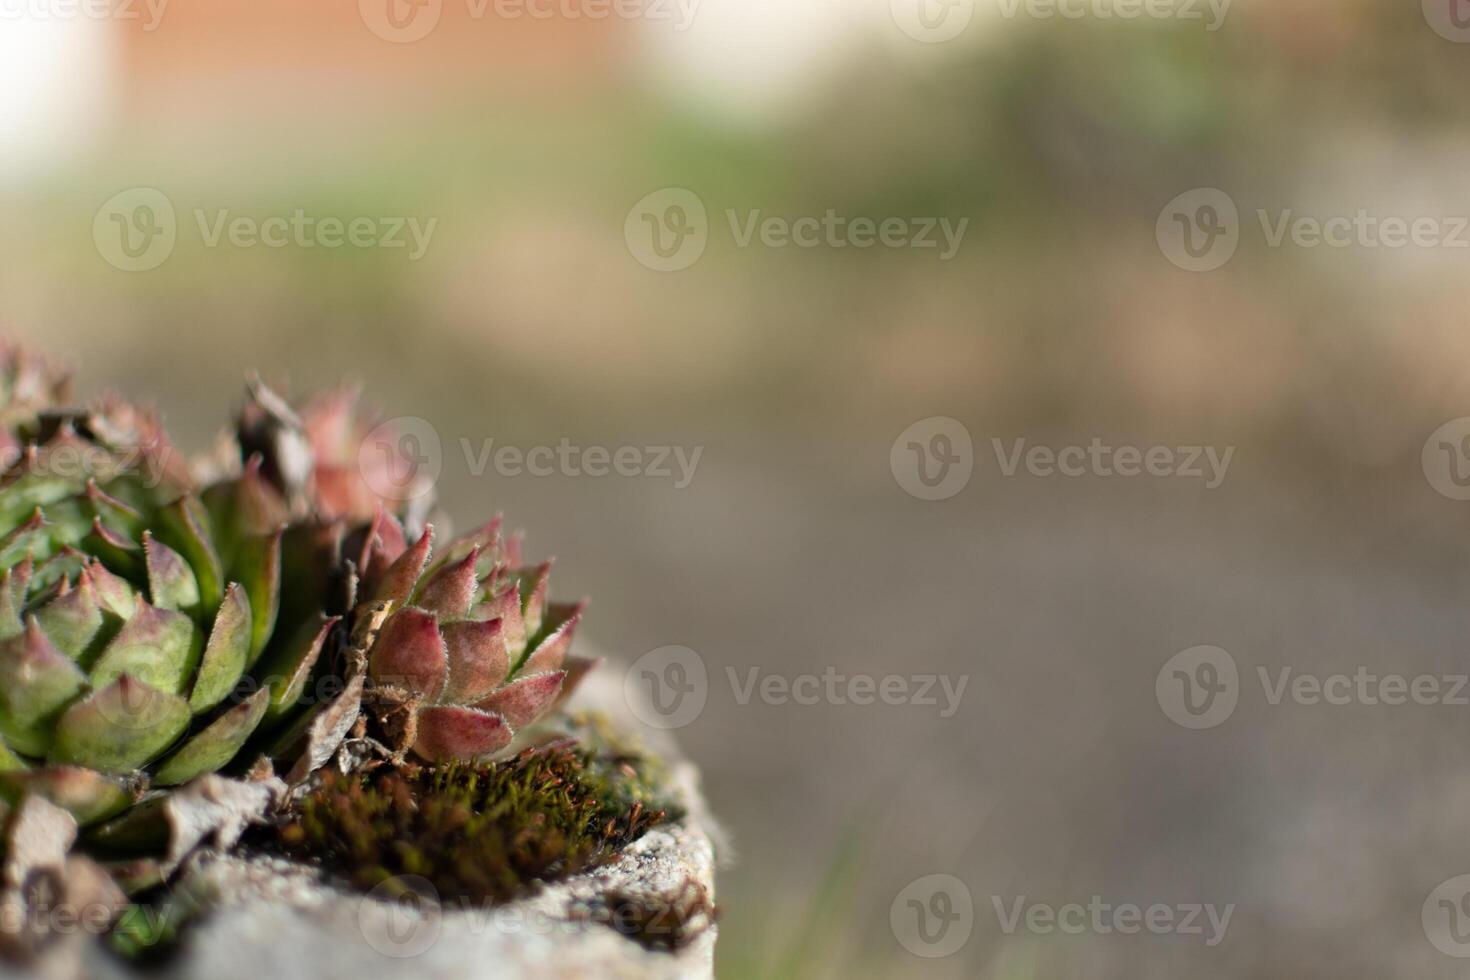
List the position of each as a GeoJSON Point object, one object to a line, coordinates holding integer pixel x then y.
{"type": "Point", "coordinates": [312, 59]}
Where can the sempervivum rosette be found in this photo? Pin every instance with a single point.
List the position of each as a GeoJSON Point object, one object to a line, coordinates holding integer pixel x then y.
{"type": "Point", "coordinates": [131, 607]}
{"type": "Point", "coordinates": [471, 651]}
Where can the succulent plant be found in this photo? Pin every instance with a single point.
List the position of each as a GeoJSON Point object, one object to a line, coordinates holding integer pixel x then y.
{"type": "Point", "coordinates": [131, 607]}
{"type": "Point", "coordinates": [471, 650]}
{"type": "Point", "coordinates": [161, 618]}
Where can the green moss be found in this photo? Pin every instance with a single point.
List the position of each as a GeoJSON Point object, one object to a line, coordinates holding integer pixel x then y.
{"type": "Point", "coordinates": [482, 832]}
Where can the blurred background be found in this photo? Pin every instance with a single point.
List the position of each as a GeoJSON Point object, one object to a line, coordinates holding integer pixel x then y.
{"type": "Point", "coordinates": [532, 312]}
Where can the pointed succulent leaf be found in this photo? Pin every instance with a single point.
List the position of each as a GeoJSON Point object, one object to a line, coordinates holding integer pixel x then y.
{"type": "Point", "coordinates": [86, 794]}
{"type": "Point", "coordinates": [506, 607]}
{"type": "Point", "coordinates": [534, 585]}
{"type": "Point", "coordinates": [398, 581]}
{"type": "Point", "coordinates": [378, 546]}
{"type": "Point", "coordinates": [289, 670]}
{"type": "Point", "coordinates": [478, 659]}
{"type": "Point", "coordinates": [225, 653]}
{"type": "Point", "coordinates": [258, 569]}
{"type": "Point", "coordinates": [73, 458]}
{"type": "Point", "coordinates": [409, 653]}
{"type": "Point", "coordinates": [484, 539]}
{"type": "Point", "coordinates": [115, 550]}
{"type": "Point", "coordinates": [63, 566]}
{"type": "Point", "coordinates": [26, 539]}
{"type": "Point", "coordinates": [184, 526]}
{"type": "Point", "coordinates": [120, 727]}
{"type": "Point", "coordinates": [159, 647]}
{"type": "Point", "coordinates": [114, 593]}
{"type": "Point", "coordinates": [14, 585]}
{"type": "Point", "coordinates": [73, 620]}
{"type": "Point", "coordinates": [524, 700]}
{"type": "Point", "coordinates": [217, 744]}
{"type": "Point", "coordinates": [513, 546]}
{"type": "Point", "coordinates": [37, 681]}
{"type": "Point", "coordinates": [450, 591]}
{"type": "Point", "coordinates": [31, 488]}
{"type": "Point", "coordinates": [448, 733]}
{"type": "Point", "coordinates": [171, 583]}
{"type": "Point", "coordinates": [112, 512]}
{"type": "Point", "coordinates": [550, 651]}
{"type": "Point", "coordinates": [245, 507]}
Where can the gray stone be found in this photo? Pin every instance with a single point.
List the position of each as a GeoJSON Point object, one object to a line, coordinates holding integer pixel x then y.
{"type": "Point", "coordinates": [269, 918]}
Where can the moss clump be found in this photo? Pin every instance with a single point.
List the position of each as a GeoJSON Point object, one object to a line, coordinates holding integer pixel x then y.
{"type": "Point", "coordinates": [480, 832]}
